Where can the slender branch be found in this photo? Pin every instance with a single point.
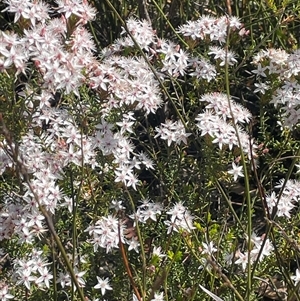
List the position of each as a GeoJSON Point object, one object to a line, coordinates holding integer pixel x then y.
{"type": "Point", "coordinates": [127, 267]}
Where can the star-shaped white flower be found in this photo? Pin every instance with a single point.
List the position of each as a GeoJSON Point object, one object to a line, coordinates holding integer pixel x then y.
{"type": "Point", "coordinates": [236, 171]}
{"type": "Point", "coordinates": [103, 285]}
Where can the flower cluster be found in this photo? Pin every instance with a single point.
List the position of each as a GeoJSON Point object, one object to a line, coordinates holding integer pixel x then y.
{"type": "Point", "coordinates": [216, 30]}
{"type": "Point", "coordinates": [172, 132]}
{"type": "Point", "coordinates": [207, 26]}
{"type": "Point", "coordinates": [141, 31]}
{"type": "Point", "coordinates": [64, 279]}
{"type": "Point", "coordinates": [121, 147]}
{"type": "Point", "coordinates": [279, 64]}
{"type": "Point", "coordinates": [106, 233]}
{"type": "Point", "coordinates": [60, 61]}
{"type": "Point", "coordinates": [175, 60]}
{"type": "Point", "coordinates": [262, 248]}
{"type": "Point", "coordinates": [217, 121]}
{"type": "Point", "coordinates": [84, 116]}
{"type": "Point", "coordinates": [33, 270]}
{"type": "Point", "coordinates": [224, 56]}
{"type": "Point", "coordinates": [203, 69]}
{"type": "Point", "coordinates": [128, 81]}
{"type": "Point", "coordinates": [35, 12]}
{"type": "Point", "coordinates": [181, 219]}
{"type": "Point", "coordinates": [147, 210]}
{"type": "Point", "coordinates": [289, 197]}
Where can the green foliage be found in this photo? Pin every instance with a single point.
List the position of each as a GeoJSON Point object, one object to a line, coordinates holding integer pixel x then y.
{"type": "Point", "coordinates": [195, 175]}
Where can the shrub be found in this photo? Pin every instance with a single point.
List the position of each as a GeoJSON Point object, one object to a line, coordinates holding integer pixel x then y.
{"type": "Point", "coordinates": [152, 168]}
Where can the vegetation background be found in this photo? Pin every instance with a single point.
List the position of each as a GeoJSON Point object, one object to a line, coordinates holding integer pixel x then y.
{"type": "Point", "coordinates": [205, 189]}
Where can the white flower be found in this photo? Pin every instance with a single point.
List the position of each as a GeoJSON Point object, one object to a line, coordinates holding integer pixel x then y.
{"type": "Point", "coordinates": [103, 285]}
{"type": "Point", "coordinates": [134, 298]}
{"type": "Point", "coordinates": [260, 71]}
{"type": "Point", "coordinates": [63, 279]}
{"type": "Point", "coordinates": [158, 297]}
{"type": "Point", "coordinates": [26, 278]}
{"type": "Point", "coordinates": [208, 248]}
{"type": "Point", "coordinates": [243, 259]}
{"type": "Point", "coordinates": [266, 251]}
{"type": "Point", "coordinates": [79, 279]}
{"type": "Point", "coordinates": [4, 294]}
{"type": "Point", "coordinates": [133, 245]}
{"type": "Point", "coordinates": [236, 171]}
{"type": "Point", "coordinates": [157, 252]}
{"type": "Point", "coordinates": [45, 277]}
{"type": "Point", "coordinates": [296, 278]}
{"type": "Point", "coordinates": [261, 87]}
